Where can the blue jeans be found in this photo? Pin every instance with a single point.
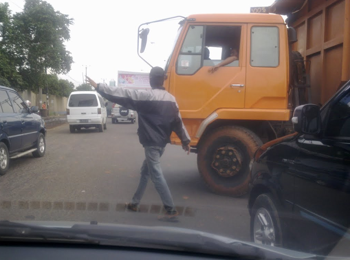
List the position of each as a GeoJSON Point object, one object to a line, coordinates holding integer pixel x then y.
{"type": "Point", "coordinates": [152, 168]}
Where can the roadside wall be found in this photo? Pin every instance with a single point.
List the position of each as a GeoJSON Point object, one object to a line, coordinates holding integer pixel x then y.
{"type": "Point", "coordinates": [57, 105]}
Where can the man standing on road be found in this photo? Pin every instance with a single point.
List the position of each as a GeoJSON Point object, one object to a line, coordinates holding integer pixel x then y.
{"type": "Point", "coordinates": [158, 116]}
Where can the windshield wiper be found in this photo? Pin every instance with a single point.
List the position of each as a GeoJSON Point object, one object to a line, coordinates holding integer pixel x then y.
{"type": "Point", "coordinates": [169, 238]}
{"type": "Point", "coordinates": [13, 231]}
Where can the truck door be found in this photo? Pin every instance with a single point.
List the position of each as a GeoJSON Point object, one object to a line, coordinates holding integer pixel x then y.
{"type": "Point", "coordinates": [198, 91]}
{"type": "Point", "coordinates": [267, 67]}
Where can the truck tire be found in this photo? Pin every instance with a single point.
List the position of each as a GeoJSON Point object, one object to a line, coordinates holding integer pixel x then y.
{"type": "Point", "coordinates": [72, 128]}
{"type": "Point", "coordinates": [223, 159]}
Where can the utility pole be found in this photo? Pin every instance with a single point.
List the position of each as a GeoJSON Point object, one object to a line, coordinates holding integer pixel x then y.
{"type": "Point", "coordinates": [86, 73]}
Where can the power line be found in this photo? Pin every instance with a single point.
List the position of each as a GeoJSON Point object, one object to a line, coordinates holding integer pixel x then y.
{"type": "Point", "coordinates": [17, 5]}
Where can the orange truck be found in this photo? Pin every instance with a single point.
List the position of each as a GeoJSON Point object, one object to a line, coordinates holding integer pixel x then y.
{"type": "Point", "coordinates": [230, 110]}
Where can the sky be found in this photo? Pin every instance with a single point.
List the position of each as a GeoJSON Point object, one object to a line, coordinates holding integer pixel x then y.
{"type": "Point", "coordinates": [104, 33]}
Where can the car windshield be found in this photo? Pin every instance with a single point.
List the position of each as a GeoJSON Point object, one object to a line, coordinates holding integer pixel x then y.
{"type": "Point", "coordinates": [192, 128]}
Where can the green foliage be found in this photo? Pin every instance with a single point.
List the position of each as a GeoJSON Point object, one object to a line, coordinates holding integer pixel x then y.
{"type": "Point", "coordinates": [84, 87]}
{"type": "Point", "coordinates": [32, 44]}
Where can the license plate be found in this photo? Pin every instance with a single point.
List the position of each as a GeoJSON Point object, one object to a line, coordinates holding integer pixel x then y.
{"type": "Point", "coordinates": [84, 121]}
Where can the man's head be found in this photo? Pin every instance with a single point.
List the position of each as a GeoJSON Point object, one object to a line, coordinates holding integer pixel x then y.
{"type": "Point", "coordinates": [233, 52]}
{"type": "Point", "coordinates": [157, 77]}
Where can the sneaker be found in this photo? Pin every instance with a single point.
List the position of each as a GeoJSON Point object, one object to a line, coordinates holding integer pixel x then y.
{"type": "Point", "coordinates": [132, 207]}
{"type": "Point", "coordinates": [171, 216]}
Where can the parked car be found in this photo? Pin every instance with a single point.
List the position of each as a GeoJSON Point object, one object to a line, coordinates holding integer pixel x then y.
{"type": "Point", "coordinates": [22, 131]}
{"type": "Point", "coordinates": [122, 114]}
{"type": "Point", "coordinates": [86, 109]}
{"type": "Point", "coordinates": [300, 184]}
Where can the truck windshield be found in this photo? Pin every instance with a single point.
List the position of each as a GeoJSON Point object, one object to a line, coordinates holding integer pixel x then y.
{"type": "Point", "coordinates": [172, 49]}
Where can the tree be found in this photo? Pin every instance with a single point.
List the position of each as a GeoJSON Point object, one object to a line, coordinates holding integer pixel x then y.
{"type": "Point", "coordinates": [84, 87]}
{"type": "Point", "coordinates": [9, 76]}
{"type": "Point", "coordinates": [38, 44]}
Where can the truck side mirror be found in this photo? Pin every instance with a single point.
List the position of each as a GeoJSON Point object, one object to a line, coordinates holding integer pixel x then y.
{"type": "Point", "coordinates": [143, 35]}
{"type": "Point", "coordinates": [307, 120]}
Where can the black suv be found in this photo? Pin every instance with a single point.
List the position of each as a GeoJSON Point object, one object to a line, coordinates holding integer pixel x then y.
{"type": "Point", "coordinates": [300, 184]}
{"type": "Point", "coordinates": [21, 130]}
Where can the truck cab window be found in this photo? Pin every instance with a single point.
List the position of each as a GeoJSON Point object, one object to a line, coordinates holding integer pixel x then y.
{"type": "Point", "coordinates": [189, 60]}
{"type": "Point", "coordinates": [221, 42]}
{"type": "Point", "coordinates": [264, 46]}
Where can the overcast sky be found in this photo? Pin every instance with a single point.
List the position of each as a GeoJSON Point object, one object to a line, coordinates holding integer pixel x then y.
{"type": "Point", "coordinates": [104, 33]}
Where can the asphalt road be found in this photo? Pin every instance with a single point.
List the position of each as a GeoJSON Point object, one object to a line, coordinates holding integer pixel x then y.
{"type": "Point", "coordinates": [88, 176]}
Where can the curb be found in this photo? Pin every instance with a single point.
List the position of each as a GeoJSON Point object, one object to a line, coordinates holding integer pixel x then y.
{"type": "Point", "coordinates": [51, 122]}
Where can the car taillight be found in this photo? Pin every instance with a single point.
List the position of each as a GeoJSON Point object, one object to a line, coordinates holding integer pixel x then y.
{"type": "Point", "coordinates": [99, 111]}
{"type": "Point", "coordinates": [67, 111]}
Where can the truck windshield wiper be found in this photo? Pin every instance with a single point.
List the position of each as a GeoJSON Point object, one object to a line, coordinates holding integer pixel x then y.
{"type": "Point", "coordinates": [170, 238]}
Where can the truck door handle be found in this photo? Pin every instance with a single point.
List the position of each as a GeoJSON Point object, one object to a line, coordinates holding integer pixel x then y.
{"type": "Point", "coordinates": [237, 85]}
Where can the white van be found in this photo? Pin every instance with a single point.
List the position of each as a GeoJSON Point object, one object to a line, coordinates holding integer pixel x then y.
{"type": "Point", "coordinates": [86, 109]}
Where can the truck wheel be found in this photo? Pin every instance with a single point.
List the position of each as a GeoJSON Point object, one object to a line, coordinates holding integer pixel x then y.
{"type": "Point", "coordinates": [265, 223]}
{"type": "Point", "coordinates": [72, 128]}
{"type": "Point", "coordinates": [41, 146]}
{"type": "Point", "coordinates": [224, 157]}
{"type": "Point", "coordinates": [4, 159]}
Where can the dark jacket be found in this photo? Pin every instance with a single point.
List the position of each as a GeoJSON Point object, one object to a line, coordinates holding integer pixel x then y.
{"type": "Point", "coordinates": [158, 113]}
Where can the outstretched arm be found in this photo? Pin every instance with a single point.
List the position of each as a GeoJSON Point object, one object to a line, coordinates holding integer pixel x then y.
{"type": "Point", "coordinates": [122, 96]}
{"type": "Point", "coordinates": [223, 63]}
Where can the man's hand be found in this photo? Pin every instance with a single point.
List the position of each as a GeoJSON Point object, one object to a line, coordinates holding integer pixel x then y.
{"type": "Point", "coordinates": [91, 82]}
{"type": "Point", "coordinates": [186, 148]}
{"type": "Point", "coordinates": [213, 69]}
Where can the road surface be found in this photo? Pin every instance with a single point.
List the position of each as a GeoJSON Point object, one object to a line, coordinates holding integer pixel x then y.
{"type": "Point", "coordinates": [88, 176]}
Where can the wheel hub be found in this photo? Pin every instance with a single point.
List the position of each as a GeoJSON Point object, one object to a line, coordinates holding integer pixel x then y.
{"type": "Point", "coordinates": [264, 232]}
{"type": "Point", "coordinates": [227, 161]}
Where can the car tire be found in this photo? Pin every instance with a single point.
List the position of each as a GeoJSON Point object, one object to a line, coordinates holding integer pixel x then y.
{"type": "Point", "coordinates": [265, 222]}
{"type": "Point", "coordinates": [41, 146]}
{"type": "Point", "coordinates": [72, 128]}
{"type": "Point", "coordinates": [4, 159]}
{"type": "Point", "coordinates": [223, 159]}
{"type": "Point", "coordinates": [101, 128]}
{"type": "Point", "coordinates": [113, 121]}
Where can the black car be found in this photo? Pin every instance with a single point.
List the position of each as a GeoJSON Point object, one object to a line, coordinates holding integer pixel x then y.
{"type": "Point", "coordinates": [300, 184]}
{"type": "Point", "coordinates": [22, 131]}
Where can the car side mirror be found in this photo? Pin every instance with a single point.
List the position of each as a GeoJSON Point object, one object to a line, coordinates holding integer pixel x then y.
{"type": "Point", "coordinates": [34, 109]}
{"type": "Point", "coordinates": [307, 119]}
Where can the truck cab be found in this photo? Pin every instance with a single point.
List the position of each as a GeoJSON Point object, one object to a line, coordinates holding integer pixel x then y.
{"type": "Point", "coordinates": [230, 109]}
